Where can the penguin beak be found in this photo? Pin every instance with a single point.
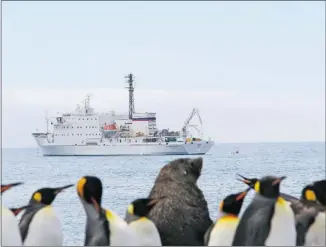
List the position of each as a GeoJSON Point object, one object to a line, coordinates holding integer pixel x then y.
{"type": "Point", "coordinates": [244, 179]}
{"type": "Point", "coordinates": [242, 195]}
{"type": "Point", "coordinates": [5, 187]}
{"type": "Point", "coordinates": [96, 205]}
{"type": "Point", "coordinates": [60, 189]}
{"type": "Point", "coordinates": [16, 211]}
{"type": "Point", "coordinates": [278, 180]}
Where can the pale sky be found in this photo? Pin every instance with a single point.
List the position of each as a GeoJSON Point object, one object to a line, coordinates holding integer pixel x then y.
{"type": "Point", "coordinates": [256, 70]}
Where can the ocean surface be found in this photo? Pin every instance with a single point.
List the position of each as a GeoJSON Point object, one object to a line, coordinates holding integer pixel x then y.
{"type": "Point", "coordinates": [127, 178]}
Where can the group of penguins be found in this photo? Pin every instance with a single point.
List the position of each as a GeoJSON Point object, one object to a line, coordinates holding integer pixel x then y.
{"type": "Point", "coordinates": [272, 218]}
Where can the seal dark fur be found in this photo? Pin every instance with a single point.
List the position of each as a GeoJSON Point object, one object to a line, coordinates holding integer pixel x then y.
{"type": "Point", "coordinates": [182, 218]}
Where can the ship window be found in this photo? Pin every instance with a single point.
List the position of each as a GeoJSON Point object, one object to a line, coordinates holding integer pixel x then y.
{"type": "Point", "coordinates": [72, 134]}
{"type": "Point", "coordinates": [91, 118]}
{"type": "Point", "coordinates": [86, 126]}
{"type": "Point", "coordinates": [87, 118]}
{"type": "Point", "coordinates": [86, 134]}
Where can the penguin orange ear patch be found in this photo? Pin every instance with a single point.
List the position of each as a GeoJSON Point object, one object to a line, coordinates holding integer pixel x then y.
{"type": "Point", "coordinates": [310, 195]}
{"type": "Point", "coordinates": [257, 186]}
{"type": "Point", "coordinates": [221, 205]}
{"type": "Point", "coordinates": [37, 197]}
{"type": "Point", "coordinates": [80, 186]}
{"type": "Point", "coordinates": [131, 209]}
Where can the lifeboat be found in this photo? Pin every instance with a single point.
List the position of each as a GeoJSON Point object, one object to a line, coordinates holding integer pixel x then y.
{"type": "Point", "coordinates": [109, 130]}
{"type": "Point", "coordinates": [112, 127]}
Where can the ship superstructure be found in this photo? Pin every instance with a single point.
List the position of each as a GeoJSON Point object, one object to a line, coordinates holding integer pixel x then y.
{"type": "Point", "coordinates": [85, 132]}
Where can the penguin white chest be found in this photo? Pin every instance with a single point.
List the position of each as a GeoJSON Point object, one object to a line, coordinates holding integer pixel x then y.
{"type": "Point", "coordinates": [10, 234]}
{"type": "Point", "coordinates": [44, 229]}
{"type": "Point", "coordinates": [282, 231]}
{"type": "Point", "coordinates": [316, 233]}
{"type": "Point", "coordinates": [223, 232]}
{"type": "Point", "coordinates": [121, 234]}
{"type": "Point", "coordinates": [146, 232]}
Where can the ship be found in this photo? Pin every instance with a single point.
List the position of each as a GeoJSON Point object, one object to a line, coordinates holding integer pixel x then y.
{"type": "Point", "coordinates": [84, 132]}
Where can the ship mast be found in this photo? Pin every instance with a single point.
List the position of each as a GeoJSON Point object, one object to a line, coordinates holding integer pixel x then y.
{"type": "Point", "coordinates": [130, 88]}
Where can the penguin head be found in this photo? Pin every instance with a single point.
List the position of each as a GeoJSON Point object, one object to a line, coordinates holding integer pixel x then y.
{"type": "Point", "coordinates": [5, 187]}
{"type": "Point", "coordinates": [320, 188]}
{"type": "Point", "coordinates": [16, 211]}
{"type": "Point", "coordinates": [308, 193]}
{"type": "Point", "coordinates": [232, 203]}
{"type": "Point", "coordinates": [249, 181]}
{"type": "Point", "coordinates": [89, 190]}
{"type": "Point", "coordinates": [140, 208]}
{"type": "Point", "coordinates": [269, 186]}
{"type": "Point", "coordinates": [47, 195]}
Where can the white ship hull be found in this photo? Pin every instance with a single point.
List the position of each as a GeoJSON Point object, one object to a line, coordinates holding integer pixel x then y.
{"type": "Point", "coordinates": [87, 133]}
{"type": "Point", "coordinates": [197, 148]}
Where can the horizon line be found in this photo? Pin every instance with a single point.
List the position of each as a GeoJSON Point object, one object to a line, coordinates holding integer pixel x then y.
{"type": "Point", "coordinates": [216, 143]}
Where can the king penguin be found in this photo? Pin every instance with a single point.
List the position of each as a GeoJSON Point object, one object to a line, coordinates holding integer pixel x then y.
{"type": "Point", "coordinates": [268, 220]}
{"type": "Point", "coordinates": [310, 219]}
{"type": "Point", "coordinates": [39, 225]}
{"type": "Point", "coordinates": [137, 218]}
{"type": "Point", "coordinates": [103, 226]}
{"type": "Point", "coordinates": [222, 232]}
{"type": "Point", "coordinates": [309, 212]}
{"type": "Point", "coordinates": [252, 181]}
{"type": "Point", "coordinates": [9, 225]}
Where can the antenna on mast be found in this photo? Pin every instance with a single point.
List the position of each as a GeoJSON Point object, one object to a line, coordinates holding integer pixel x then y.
{"type": "Point", "coordinates": [87, 102]}
{"type": "Point", "coordinates": [130, 88]}
{"type": "Point", "coordinates": [46, 121]}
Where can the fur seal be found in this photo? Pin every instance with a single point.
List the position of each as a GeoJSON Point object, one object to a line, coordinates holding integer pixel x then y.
{"type": "Point", "coordinates": [182, 217]}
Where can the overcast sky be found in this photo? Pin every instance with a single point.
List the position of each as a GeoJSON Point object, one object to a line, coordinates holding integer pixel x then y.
{"type": "Point", "coordinates": [256, 70]}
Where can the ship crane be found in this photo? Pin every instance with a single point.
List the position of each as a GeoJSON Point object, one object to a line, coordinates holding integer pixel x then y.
{"type": "Point", "coordinates": [185, 131]}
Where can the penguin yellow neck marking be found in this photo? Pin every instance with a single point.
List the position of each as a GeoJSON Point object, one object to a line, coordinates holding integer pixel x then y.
{"type": "Point", "coordinates": [48, 210]}
{"type": "Point", "coordinates": [281, 201]}
{"type": "Point", "coordinates": [143, 219]}
{"type": "Point", "coordinates": [229, 217]}
{"type": "Point", "coordinates": [109, 215]}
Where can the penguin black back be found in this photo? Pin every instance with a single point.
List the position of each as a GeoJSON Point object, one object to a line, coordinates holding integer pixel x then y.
{"type": "Point", "coordinates": [255, 224]}
{"type": "Point", "coordinates": [304, 219]}
{"type": "Point", "coordinates": [89, 190]}
{"type": "Point", "coordinates": [40, 199]}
